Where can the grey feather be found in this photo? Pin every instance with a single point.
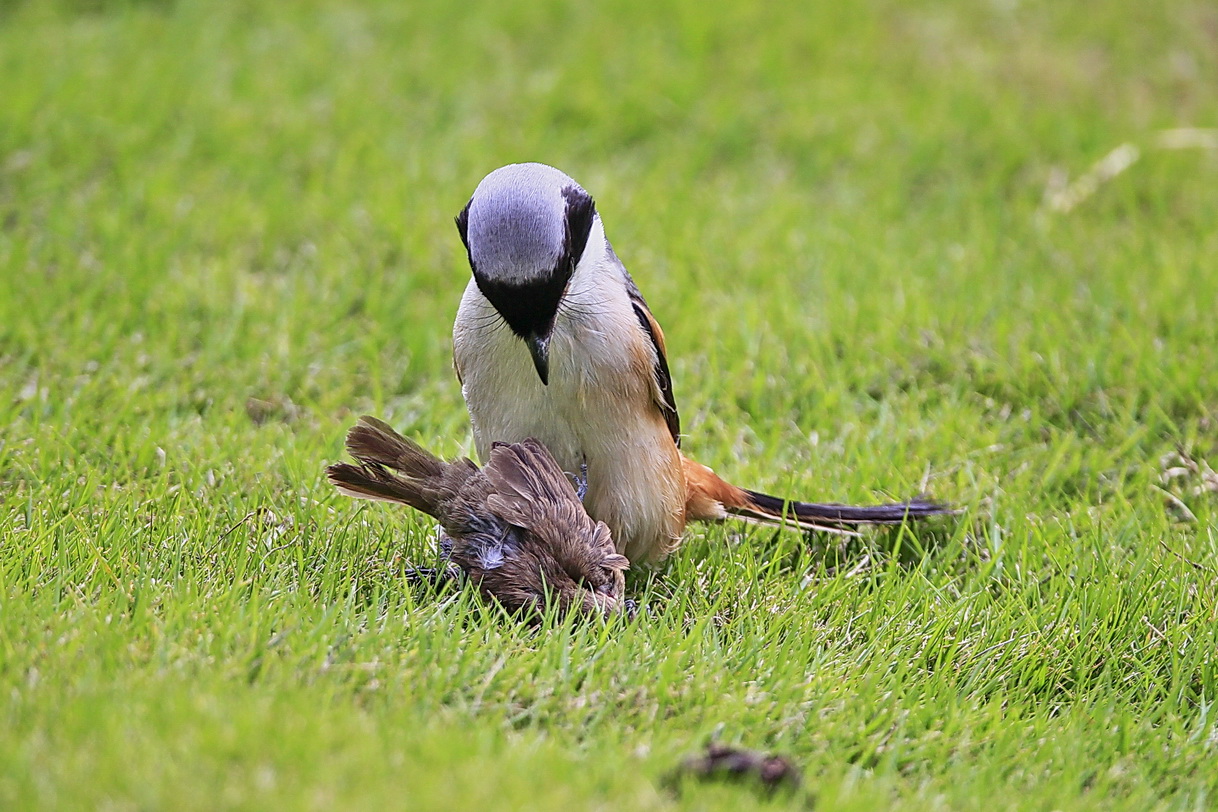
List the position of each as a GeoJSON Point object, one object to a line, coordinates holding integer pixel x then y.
{"type": "Point", "coordinates": [515, 227]}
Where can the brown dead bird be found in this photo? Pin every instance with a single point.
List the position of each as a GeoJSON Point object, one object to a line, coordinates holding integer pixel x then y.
{"type": "Point", "coordinates": [517, 526]}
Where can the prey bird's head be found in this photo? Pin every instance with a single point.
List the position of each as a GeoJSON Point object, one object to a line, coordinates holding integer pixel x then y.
{"type": "Point", "coordinates": [575, 571]}
{"type": "Point", "coordinates": [525, 229]}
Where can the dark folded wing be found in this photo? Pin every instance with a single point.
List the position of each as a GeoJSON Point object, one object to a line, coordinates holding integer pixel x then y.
{"type": "Point", "coordinates": [666, 402]}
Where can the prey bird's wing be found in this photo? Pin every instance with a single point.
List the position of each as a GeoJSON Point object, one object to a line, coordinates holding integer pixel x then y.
{"type": "Point", "coordinates": [530, 491]}
{"type": "Point", "coordinates": [663, 379]}
{"type": "Point", "coordinates": [525, 481]}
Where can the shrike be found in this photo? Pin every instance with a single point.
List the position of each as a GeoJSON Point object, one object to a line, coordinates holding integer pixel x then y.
{"type": "Point", "coordinates": [554, 341]}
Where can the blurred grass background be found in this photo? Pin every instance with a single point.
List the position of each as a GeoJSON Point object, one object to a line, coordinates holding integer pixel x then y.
{"type": "Point", "coordinates": [226, 229]}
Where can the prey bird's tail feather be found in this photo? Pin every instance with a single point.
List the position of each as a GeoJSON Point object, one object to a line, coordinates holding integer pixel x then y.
{"type": "Point", "coordinates": [374, 442]}
{"type": "Point", "coordinates": [394, 469]}
{"type": "Point", "coordinates": [374, 482]}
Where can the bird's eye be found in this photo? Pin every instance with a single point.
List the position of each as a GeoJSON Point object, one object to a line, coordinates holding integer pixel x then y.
{"type": "Point", "coordinates": [605, 588]}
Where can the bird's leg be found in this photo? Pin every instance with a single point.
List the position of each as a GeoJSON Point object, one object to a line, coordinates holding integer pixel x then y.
{"type": "Point", "coordinates": [444, 573]}
{"type": "Point", "coordinates": [631, 608]}
{"type": "Point", "coordinates": [445, 544]}
{"type": "Point", "coordinates": [580, 480]}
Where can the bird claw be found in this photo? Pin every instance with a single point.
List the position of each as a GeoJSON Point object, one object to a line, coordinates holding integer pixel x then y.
{"type": "Point", "coordinates": [580, 481]}
{"type": "Point", "coordinates": [445, 545]}
{"type": "Point", "coordinates": [445, 572]}
{"type": "Point", "coordinates": [434, 577]}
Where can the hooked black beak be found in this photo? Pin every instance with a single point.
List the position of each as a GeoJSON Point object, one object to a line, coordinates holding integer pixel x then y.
{"type": "Point", "coordinates": [539, 348]}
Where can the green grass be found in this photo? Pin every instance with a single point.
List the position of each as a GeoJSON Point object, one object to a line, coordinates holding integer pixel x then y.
{"type": "Point", "coordinates": [226, 230]}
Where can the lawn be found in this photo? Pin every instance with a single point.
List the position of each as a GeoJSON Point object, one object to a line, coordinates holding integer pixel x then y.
{"type": "Point", "coordinates": [892, 252]}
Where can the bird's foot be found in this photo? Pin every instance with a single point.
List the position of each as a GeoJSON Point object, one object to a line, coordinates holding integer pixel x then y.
{"type": "Point", "coordinates": [580, 481]}
{"type": "Point", "coordinates": [435, 577]}
{"type": "Point", "coordinates": [445, 545]}
{"type": "Point", "coordinates": [444, 572]}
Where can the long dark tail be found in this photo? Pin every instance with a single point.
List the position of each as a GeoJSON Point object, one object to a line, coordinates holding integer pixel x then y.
{"type": "Point", "coordinates": [710, 497]}
{"type": "Point", "coordinates": [832, 517]}
{"type": "Point", "coordinates": [394, 469]}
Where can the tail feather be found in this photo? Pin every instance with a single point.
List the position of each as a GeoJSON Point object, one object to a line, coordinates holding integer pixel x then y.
{"type": "Point", "coordinates": [394, 469]}
{"type": "Point", "coordinates": [374, 442]}
{"type": "Point", "coordinates": [709, 497]}
{"type": "Point", "coordinates": [833, 517]}
{"type": "Point", "coordinates": [374, 482]}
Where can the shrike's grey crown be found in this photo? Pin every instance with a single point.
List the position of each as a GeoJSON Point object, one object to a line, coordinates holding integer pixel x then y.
{"type": "Point", "coordinates": [517, 229]}
{"type": "Point", "coordinates": [525, 230]}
